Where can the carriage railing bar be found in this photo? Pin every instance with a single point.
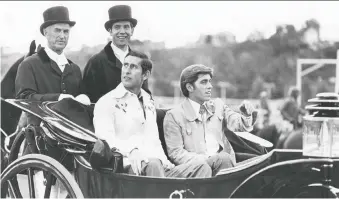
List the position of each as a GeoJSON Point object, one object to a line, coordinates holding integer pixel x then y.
{"type": "Point", "coordinates": [319, 63]}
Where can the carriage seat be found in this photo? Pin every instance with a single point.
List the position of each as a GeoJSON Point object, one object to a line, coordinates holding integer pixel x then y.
{"type": "Point", "coordinates": [83, 116]}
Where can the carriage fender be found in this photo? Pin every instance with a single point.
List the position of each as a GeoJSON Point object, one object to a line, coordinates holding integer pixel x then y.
{"type": "Point", "coordinates": [289, 179]}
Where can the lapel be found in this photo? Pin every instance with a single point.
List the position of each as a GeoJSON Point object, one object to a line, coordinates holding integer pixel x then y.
{"type": "Point", "coordinates": [44, 57]}
{"type": "Point", "coordinates": [111, 56]}
{"type": "Point", "coordinates": [210, 107]}
{"type": "Point", "coordinates": [109, 52]}
{"type": "Point", "coordinates": [148, 103]}
{"type": "Point", "coordinates": [68, 68]}
{"type": "Point", "coordinates": [188, 110]}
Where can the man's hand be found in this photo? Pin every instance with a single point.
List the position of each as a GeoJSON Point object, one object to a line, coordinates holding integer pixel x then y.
{"type": "Point", "coordinates": [168, 165]}
{"type": "Point", "coordinates": [246, 108]}
{"type": "Point", "coordinates": [63, 96]}
{"type": "Point", "coordinates": [135, 158]}
{"type": "Point", "coordinates": [83, 99]}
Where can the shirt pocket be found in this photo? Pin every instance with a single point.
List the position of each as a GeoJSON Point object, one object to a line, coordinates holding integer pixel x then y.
{"type": "Point", "coordinates": [187, 130]}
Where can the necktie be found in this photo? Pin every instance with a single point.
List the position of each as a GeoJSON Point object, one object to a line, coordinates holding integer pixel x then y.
{"type": "Point", "coordinates": [211, 143]}
{"type": "Point", "coordinates": [141, 100]}
{"type": "Point", "coordinates": [202, 112]}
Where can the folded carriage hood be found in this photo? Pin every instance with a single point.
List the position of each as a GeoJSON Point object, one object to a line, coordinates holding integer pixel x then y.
{"type": "Point", "coordinates": [63, 125]}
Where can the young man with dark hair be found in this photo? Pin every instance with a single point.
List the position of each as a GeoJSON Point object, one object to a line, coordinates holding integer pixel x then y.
{"type": "Point", "coordinates": [103, 70]}
{"type": "Point", "coordinates": [194, 130]}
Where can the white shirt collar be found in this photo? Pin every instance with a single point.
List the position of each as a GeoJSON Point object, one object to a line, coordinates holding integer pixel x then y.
{"type": "Point", "coordinates": [59, 59]}
{"type": "Point", "coordinates": [196, 107]}
{"type": "Point", "coordinates": [120, 54]}
{"type": "Point", "coordinates": [120, 91]}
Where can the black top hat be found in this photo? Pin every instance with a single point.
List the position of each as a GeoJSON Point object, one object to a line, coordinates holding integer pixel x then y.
{"type": "Point", "coordinates": [53, 15]}
{"type": "Point", "coordinates": [120, 13]}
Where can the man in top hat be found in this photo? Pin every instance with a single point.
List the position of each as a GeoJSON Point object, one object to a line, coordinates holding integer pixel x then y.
{"type": "Point", "coordinates": [48, 75]}
{"type": "Point", "coordinates": [103, 70]}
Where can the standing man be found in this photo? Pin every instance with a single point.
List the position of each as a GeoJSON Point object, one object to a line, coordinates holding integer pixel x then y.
{"type": "Point", "coordinates": [194, 130]}
{"type": "Point", "coordinates": [290, 109]}
{"type": "Point", "coordinates": [103, 70]}
{"type": "Point", "coordinates": [49, 76]}
{"type": "Point", "coordinates": [126, 118]}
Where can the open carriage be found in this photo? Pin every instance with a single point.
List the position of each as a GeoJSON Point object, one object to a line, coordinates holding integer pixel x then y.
{"type": "Point", "coordinates": [279, 173]}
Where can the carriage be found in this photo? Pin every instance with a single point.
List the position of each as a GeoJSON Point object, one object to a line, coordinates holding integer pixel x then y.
{"type": "Point", "coordinates": [310, 172]}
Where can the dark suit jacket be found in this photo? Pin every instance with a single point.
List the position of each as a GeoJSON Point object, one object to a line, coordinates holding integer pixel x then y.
{"type": "Point", "coordinates": [39, 78]}
{"type": "Point", "coordinates": [103, 74]}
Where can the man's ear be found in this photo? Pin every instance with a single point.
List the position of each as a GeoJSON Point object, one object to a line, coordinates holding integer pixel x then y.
{"type": "Point", "coordinates": [110, 31]}
{"type": "Point", "coordinates": [132, 31]}
{"type": "Point", "coordinates": [189, 87]}
{"type": "Point", "coordinates": [146, 75]}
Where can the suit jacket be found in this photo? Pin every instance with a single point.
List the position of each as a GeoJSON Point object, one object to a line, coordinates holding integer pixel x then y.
{"type": "Point", "coordinates": [185, 136]}
{"type": "Point", "coordinates": [103, 73]}
{"type": "Point", "coordinates": [119, 119]}
{"type": "Point", "coordinates": [39, 78]}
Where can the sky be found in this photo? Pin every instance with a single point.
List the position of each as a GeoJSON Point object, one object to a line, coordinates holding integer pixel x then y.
{"type": "Point", "coordinates": [176, 23]}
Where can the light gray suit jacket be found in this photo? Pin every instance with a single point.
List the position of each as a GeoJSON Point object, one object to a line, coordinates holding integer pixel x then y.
{"type": "Point", "coordinates": [185, 136]}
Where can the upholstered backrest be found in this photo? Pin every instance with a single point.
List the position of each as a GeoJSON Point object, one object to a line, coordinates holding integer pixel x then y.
{"type": "Point", "coordinates": [160, 121]}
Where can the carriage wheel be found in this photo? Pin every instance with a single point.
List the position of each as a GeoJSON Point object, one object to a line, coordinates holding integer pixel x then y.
{"type": "Point", "coordinates": [37, 162]}
{"type": "Point", "coordinates": [15, 150]}
{"type": "Point", "coordinates": [16, 146]}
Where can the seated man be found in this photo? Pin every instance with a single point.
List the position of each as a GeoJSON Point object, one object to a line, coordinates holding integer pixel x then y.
{"type": "Point", "coordinates": [126, 118]}
{"type": "Point", "coordinates": [194, 130]}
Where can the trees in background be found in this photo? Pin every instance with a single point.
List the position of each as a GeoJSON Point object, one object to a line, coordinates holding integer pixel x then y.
{"type": "Point", "coordinates": [249, 67]}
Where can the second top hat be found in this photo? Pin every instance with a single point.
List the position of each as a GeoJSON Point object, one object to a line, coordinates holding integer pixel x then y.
{"type": "Point", "coordinates": [120, 13]}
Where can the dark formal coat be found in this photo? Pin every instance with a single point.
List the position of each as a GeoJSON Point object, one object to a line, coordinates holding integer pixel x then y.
{"type": "Point", "coordinates": [39, 78]}
{"type": "Point", "coordinates": [103, 74]}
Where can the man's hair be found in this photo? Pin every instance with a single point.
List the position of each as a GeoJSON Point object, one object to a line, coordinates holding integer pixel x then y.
{"type": "Point", "coordinates": [190, 74]}
{"type": "Point", "coordinates": [146, 64]}
{"type": "Point", "coordinates": [49, 27]}
{"type": "Point", "coordinates": [293, 92]}
{"type": "Point", "coordinates": [130, 23]}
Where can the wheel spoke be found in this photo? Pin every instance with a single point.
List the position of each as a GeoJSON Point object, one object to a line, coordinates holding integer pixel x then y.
{"type": "Point", "coordinates": [31, 183]}
{"type": "Point", "coordinates": [11, 189]}
{"type": "Point", "coordinates": [49, 179]}
{"type": "Point", "coordinates": [32, 163]}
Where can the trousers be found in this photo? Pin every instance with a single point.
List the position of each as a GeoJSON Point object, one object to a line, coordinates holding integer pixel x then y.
{"type": "Point", "coordinates": [155, 168]}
